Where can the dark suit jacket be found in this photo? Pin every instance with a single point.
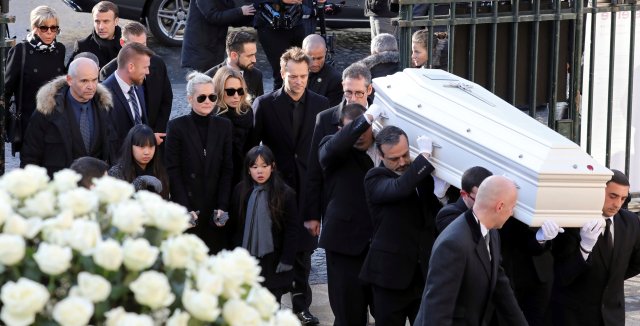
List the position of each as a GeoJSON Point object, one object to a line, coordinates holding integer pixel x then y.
{"type": "Point", "coordinates": [464, 286]}
{"type": "Point", "coordinates": [201, 181]}
{"type": "Point", "coordinates": [252, 77]}
{"type": "Point", "coordinates": [402, 210]}
{"type": "Point", "coordinates": [273, 126]}
{"type": "Point", "coordinates": [105, 50]}
{"type": "Point", "coordinates": [328, 83]}
{"type": "Point", "coordinates": [158, 93]}
{"type": "Point", "coordinates": [586, 292]}
{"type": "Point", "coordinates": [346, 227]}
{"type": "Point", "coordinates": [120, 114]}
{"type": "Point", "coordinates": [448, 213]}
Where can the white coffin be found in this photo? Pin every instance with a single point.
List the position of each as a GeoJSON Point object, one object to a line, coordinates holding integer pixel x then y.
{"type": "Point", "coordinates": [471, 126]}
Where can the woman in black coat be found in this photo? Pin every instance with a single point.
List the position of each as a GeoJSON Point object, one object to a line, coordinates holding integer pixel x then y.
{"type": "Point", "coordinates": [198, 161]}
{"type": "Point", "coordinates": [43, 61]}
{"type": "Point", "coordinates": [233, 104]}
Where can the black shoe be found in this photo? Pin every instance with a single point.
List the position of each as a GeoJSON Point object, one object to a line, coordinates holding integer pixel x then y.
{"type": "Point", "coordinates": [306, 318]}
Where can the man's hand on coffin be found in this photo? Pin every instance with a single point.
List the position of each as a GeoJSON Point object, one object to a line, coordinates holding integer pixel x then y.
{"type": "Point", "coordinates": [425, 145]}
{"type": "Point", "coordinates": [439, 187]}
{"type": "Point", "coordinates": [374, 112]}
{"type": "Point", "coordinates": [313, 226]}
{"type": "Point", "coordinates": [589, 234]}
{"type": "Point", "coordinates": [548, 231]}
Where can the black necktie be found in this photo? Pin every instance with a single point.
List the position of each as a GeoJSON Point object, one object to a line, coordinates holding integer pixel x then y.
{"type": "Point", "coordinates": [298, 115]}
{"type": "Point", "coordinates": [607, 243]}
{"type": "Point", "coordinates": [487, 240]}
{"type": "Point", "coordinates": [134, 105]}
{"type": "Point", "coordinates": [85, 128]}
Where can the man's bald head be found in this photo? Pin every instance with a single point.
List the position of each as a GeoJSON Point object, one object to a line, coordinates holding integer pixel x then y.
{"type": "Point", "coordinates": [82, 79]}
{"type": "Point", "coordinates": [496, 198]}
{"type": "Point", "coordinates": [315, 47]}
{"type": "Point", "coordinates": [79, 64]}
{"type": "Point", "coordinates": [313, 41]}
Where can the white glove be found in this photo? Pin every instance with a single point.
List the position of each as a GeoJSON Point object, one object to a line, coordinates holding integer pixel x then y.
{"type": "Point", "coordinates": [425, 144]}
{"type": "Point", "coordinates": [376, 111]}
{"type": "Point", "coordinates": [548, 231]}
{"type": "Point", "coordinates": [439, 187]}
{"type": "Point", "coordinates": [590, 232]}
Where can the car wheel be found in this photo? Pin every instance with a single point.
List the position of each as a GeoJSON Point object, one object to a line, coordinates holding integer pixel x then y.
{"type": "Point", "coordinates": [167, 20]}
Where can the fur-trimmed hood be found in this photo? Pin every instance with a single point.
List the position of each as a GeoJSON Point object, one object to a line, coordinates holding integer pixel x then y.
{"type": "Point", "coordinates": [51, 94]}
{"type": "Point", "coordinates": [382, 57]}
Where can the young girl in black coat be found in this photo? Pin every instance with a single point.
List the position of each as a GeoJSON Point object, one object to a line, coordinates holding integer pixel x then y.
{"type": "Point", "coordinates": [264, 209]}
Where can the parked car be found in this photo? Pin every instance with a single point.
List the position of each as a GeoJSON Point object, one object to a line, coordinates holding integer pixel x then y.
{"type": "Point", "coordinates": [166, 19]}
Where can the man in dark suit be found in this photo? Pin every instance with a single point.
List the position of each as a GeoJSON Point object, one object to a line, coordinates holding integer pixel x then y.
{"type": "Point", "coordinates": [157, 86]}
{"type": "Point", "coordinates": [241, 56]}
{"type": "Point", "coordinates": [104, 41]}
{"type": "Point", "coordinates": [345, 158]}
{"type": "Point", "coordinates": [592, 263]}
{"type": "Point", "coordinates": [466, 284]}
{"type": "Point", "coordinates": [323, 78]}
{"type": "Point", "coordinates": [284, 121]}
{"type": "Point", "coordinates": [402, 206]}
{"type": "Point", "coordinates": [129, 107]}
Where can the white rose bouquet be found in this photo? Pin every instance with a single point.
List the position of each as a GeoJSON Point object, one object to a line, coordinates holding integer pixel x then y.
{"type": "Point", "coordinates": [110, 256]}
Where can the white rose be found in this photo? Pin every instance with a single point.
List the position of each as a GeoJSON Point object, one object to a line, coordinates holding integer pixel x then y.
{"type": "Point", "coordinates": [172, 218]}
{"type": "Point", "coordinates": [261, 299]}
{"type": "Point", "coordinates": [73, 311]}
{"type": "Point", "coordinates": [22, 299]}
{"type": "Point", "coordinates": [114, 316]}
{"type": "Point", "coordinates": [83, 236]}
{"type": "Point", "coordinates": [53, 259]}
{"type": "Point", "coordinates": [239, 313]}
{"type": "Point", "coordinates": [179, 318]}
{"type": "Point", "coordinates": [131, 319]}
{"type": "Point", "coordinates": [139, 254]}
{"type": "Point", "coordinates": [20, 318]}
{"type": "Point", "coordinates": [184, 251]}
{"type": "Point", "coordinates": [286, 318]}
{"type": "Point", "coordinates": [43, 204]}
{"type": "Point", "coordinates": [200, 305]}
{"type": "Point", "coordinates": [150, 201]}
{"type": "Point", "coordinates": [66, 179]}
{"type": "Point", "coordinates": [12, 249]}
{"type": "Point", "coordinates": [152, 289]}
{"type": "Point", "coordinates": [55, 236]}
{"type": "Point", "coordinates": [64, 220]}
{"type": "Point", "coordinates": [209, 282]}
{"type": "Point", "coordinates": [5, 210]}
{"type": "Point", "coordinates": [16, 224]}
{"type": "Point", "coordinates": [128, 217]}
{"type": "Point", "coordinates": [93, 287]}
{"type": "Point", "coordinates": [22, 183]}
{"type": "Point", "coordinates": [79, 201]}
{"type": "Point", "coordinates": [238, 268]}
{"type": "Point", "coordinates": [108, 255]}
{"type": "Point", "coordinates": [111, 190]}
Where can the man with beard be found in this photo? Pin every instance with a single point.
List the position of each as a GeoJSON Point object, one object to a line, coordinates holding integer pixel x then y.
{"type": "Point", "coordinates": [323, 78]}
{"type": "Point", "coordinates": [402, 206]}
{"type": "Point", "coordinates": [104, 41]}
{"type": "Point", "coordinates": [241, 56]}
{"type": "Point", "coordinates": [129, 106]}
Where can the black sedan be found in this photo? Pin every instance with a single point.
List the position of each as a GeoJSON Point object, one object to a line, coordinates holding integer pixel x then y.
{"type": "Point", "coordinates": [166, 19]}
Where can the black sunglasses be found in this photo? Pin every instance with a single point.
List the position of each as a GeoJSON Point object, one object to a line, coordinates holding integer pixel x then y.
{"type": "Point", "coordinates": [232, 91]}
{"type": "Point", "coordinates": [202, 98]}
{"type": "Point", "coordinates": [53, 29]}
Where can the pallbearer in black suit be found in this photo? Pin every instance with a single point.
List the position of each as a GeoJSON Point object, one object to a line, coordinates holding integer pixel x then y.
{"type": "Point", "coordinates": [402, 206]}
{"type": "Point", "coordinates": [199, 164]}
{"type": "Point", "coordinates": [323, 78]}
{"type": "Point", "coordinates": [129, 107]}
{"type": "Point", "coordinates": [241, 57]}
{"type": "Point", "coordinates": [592, 263]}
{"type": "Point", "coordinates": [466, 284]}
{"type": "Point", "coordinates": [345, 158]}
{"type": "Point", "coordinates": [284, 121]}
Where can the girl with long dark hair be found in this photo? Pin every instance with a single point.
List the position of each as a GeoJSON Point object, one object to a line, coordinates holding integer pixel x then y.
{"type": "Point", "coordinates": [264, 208]}
{"type": "Point", "coordinates": [139, 163]}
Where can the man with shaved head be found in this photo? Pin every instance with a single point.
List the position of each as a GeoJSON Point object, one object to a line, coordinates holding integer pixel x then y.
{"type": "Point", "coordinates": [323, 78]}
{"type": "Point", "coordinates": [465, 283]}
{"type": "Point", "coordinates": [71, 120]}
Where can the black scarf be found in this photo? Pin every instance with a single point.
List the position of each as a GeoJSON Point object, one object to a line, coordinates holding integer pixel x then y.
{"type": "Point", "coordinates": [36, 43]}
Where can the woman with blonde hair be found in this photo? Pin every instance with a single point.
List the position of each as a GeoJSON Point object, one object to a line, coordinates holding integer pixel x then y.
{"type": "Point", "coordinates": [233, 104]}
{"type": "Point", "coordinates": [30, 64]}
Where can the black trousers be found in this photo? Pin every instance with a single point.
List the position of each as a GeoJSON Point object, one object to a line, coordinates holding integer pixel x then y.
{"type": "Point", "coordinates": [301, 295]}
{"type": "Point", "coordinates": [393, 307]}
{"type": "Point", "coordinates": [275, 43]}
{"type": "Point", "coordinates": [348, 296]}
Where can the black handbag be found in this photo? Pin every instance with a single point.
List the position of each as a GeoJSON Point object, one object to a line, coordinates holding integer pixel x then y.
{"type": "Point", "coordinates": [14, 130]}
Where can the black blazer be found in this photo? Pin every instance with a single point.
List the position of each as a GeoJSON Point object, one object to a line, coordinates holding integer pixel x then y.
{"type": "Point", "coordinates": [586, 292]}
{"type": "Point", "coordinates": [448, 213]}
{"type": "Point", "coordinates": [105, 50]}
{"type": "Point", "coordinates": [402, 210]}
{"type": "Point", "coordinates": [328, 83]}
{"type": "Point", "coordinates": [200, 178]}
{"type": "Point", "coordinates": [120, 114]}
{"type": "Point", "coordinates": [464, 286]}
{"type": "Point", "coordinates": [252, 77]}
{"type": "Point", "coordinates": [273, 126]}
{"type": "Point", "coordinates": [346, 227]}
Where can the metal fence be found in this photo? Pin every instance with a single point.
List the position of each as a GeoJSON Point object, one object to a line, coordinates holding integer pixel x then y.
{"type": "Point", "coordinates": [527, 53]}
